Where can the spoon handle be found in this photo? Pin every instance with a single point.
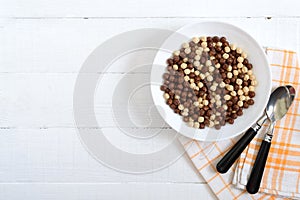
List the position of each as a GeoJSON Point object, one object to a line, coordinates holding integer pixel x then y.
{"type": "Point", "coordinates": [260, 162]}
{"type": "Point", "coordinates": [227, 161]}
{"type": "Point", "coordinates": [259, 166]}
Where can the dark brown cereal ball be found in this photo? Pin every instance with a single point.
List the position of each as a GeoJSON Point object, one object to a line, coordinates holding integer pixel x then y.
{"type": "Point", "coordinates": [251, 94]}
{"type": "Point", "coordinates": [250, 101]}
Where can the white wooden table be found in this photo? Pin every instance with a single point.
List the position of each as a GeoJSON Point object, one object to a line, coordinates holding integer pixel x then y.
{"type": "Point", "coordinates": [42, 47]}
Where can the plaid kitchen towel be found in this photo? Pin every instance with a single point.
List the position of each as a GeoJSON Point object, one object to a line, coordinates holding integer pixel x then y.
{"type": "Point", "coordinates": [281, 177]}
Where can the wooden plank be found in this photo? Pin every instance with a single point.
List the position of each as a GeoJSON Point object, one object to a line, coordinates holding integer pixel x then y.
{"type": "Point", "coordinates": [107, 191]}
{"type": "Point", "coordinates": [56, 155]}
{"type": "Point", "coordinates": [154, 8]}
{"type": "Point", "coordinates": [62, 45]}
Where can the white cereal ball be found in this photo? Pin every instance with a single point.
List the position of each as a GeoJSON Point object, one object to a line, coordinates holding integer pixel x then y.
{"type": "Point", "coordinates": [176, 53]}
{"type": "Point", "coordinates": [211, 124]}
{"type": "Point", "coordinates": [240, 103]}
{"type": "Point", "coordinates": [196, 103]}
{"type": "Point", "coordinates": [203, 38]}
{"type": "Point", "coordinates": [240, 92]}
{"type": "Point", "coordinates": [187, 71]}
{"type": "Point", "coordinates": [227, 49]}
{"type": "Point", "coordinates": [252, 77]}
{"type": "Point", "coordinates": [211, 69]}
{"type": "Point", "coordinates": [196, 40]}
{"type": "Point", "coordinates": [242, 98]}
{"type": "Point", "coordinates": [245, 69]}
{"type": "Point", "coordinates": [183, 65]}
{"type": "Point", "coordinates": [240, 65]}
{"type": "Point", "coordinates": [239, 81]}
{"type": "Point", "coordinates": [219, 44]}
{"type": "Point", "coordinates": [233, 47]}
{"type": "Point", "coordinates": [175, 67]}
{"type": "Point", "coordinates": [229, 68]}
{"type": "Point", "coordinates": [227, 97]}
{"type": "Point", "coordinates": [251, 88]}
{"type": "Point", "coordinates": [197, 57]}
{"type": "Point", "coordinates": [244, 55]}
{"type": "Point", "coordinates": [200, 85]}
{"type": "Point", "coordinates": [235, 72]}
{"type": "Point", "coordinates": [197, 63]}
{"type": "Point", "coordinates": [193, 85]}
{"type": "Point", "coordinates": [185, 45]}
{"type": "Point", "coordinates": [225, 56]}
{"type": "Point", "coordinates": [229, 87]}
{"type": "Point", "coordinates": [184, 114]}
{"type": "Point", "coordinates": [219, 103]}
{"type": "Point", "coordinates": [239, 50]}
{"type": "Point", "coordinates": [246, 90]}
{"type": "Point", "coordinates": [198, 52]}
{"type": "Point", "coordinates": [196, 125]}
{"type": "Point", "coordinates": [186, 78]}
{"type": "Point", "coordinates": [213, 88]}
{"type": "Point", "coordinates": [209, 78]}
{"type": "Point", "coordinates": [191, 124]}
{"type": "Point", "coordinates": [204, 45]}
{"type": "Point", "coordinates": [208, 63]}
{"type": "Point", "coordinates": [180, 107]}
{"type": "Point", "coordinates": [200, 119]}
{"type": "Point", "coordinates": [205, 102]}
{"type": "Point", "coordinates": [202, 76]}
{"type": "Point", "coordinates": [233, 93]}
{"type": "Point", "coordinates": [187, 50]}
{"type": "Point", "coordinates": [240, 59]}
{"type": "Point", "coordinates": [197, 73]}
{"type": "Point", "coordinates": [254, 82]}
{"type": "Point", "coordinates": [222, 84]}
{"type": "Point", "coordinates": [229, 75]}
{"type": "Point", "coordinates": [166, 96]}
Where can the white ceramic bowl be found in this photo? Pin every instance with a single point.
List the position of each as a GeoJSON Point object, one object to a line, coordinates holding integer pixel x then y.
{"type": "Point", "coordinates": [256, 56]}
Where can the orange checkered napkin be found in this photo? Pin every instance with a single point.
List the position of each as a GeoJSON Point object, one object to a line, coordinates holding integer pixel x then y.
{"type": "Point", "coordinates": [282, 173]}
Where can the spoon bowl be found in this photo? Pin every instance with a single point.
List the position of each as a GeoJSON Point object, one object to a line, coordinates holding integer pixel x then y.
{"type": "Point", "coordinates": [280, 102]}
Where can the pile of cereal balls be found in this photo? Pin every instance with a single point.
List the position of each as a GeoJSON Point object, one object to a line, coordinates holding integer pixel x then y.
{"type": "Point", "coordinates": [209, 82]}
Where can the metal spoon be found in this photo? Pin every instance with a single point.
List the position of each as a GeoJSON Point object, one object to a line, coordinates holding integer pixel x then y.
{"type": "Point", "coordinates": [276, 110]}
{"type": "Point", "coordinates": [231, 156]}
